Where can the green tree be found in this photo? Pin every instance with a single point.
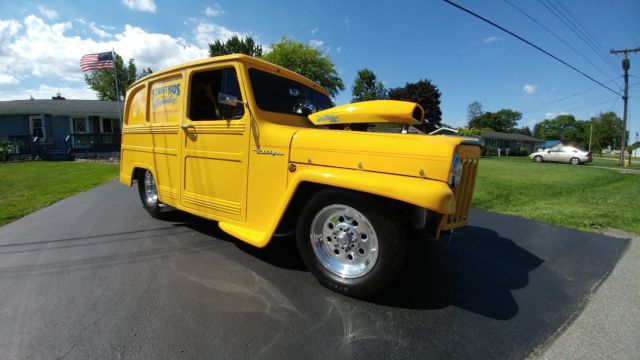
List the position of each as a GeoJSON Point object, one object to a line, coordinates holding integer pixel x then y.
{"type": "Point", "coordinates": [102, 81]}
{"type": "Point", "coordinates": [474, 111]}
{"type": "Point", "coordinates": [427, 95]}
{"type": "Point", "coordinates": [367, 87]}
{"type": "Point", "coordinates": [564, 128]}
{"type": "Point", "coordinates": [306, 61]}
{"type": "Point", "coordinates": [607, 128]}
{"type": "Point", "coordinates": [235, 45]}
{"type": "Point", "coordinates": [504, 120]}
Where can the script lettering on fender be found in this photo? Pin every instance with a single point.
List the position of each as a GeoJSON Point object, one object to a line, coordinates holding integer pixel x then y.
{"type": "Point", "coordinates": [268, 152]}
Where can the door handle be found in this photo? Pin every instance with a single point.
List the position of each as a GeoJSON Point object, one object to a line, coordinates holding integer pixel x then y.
{"type": "Point", "coordinates": [186, 127]}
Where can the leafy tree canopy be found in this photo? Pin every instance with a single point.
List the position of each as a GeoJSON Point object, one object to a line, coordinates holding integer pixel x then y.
{"type": "Point", "coordinates": [367, 87]}
{"type": "Point", "coordinates": [565, 128]}
{"type": "Point", "coordinates": [427, 95]}
{"type": "Point", "coordinates": [504, 120]}
{"type": "Point", "coordinates": [607, 128]}
{"type": "Point", "coordinates": [306, 61]}
{"type": "Point", "coordinates": [102, 81]}
{"type": "Point", "coordinates": [235, 45]}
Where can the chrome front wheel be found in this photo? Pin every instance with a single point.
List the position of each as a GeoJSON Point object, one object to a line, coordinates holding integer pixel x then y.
{"type": "Point", "coordinates": [351, 242]}
{"type": "Point", "coordinates": [344, 241]}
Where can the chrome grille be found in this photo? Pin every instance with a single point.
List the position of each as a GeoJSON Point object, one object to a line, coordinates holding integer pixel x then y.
{"type": "Point", "coordinates": [463, 193]}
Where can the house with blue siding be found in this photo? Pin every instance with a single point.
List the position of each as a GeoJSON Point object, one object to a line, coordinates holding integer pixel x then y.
{"type": "Point", "coordinates": [61, 125]}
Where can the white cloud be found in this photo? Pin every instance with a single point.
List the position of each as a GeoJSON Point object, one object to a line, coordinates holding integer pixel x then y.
{"type": "Point", "coordinates": [48, 13]}
{"type": "Point", "coordinates": [529, 89]}
{"type": "Point", "coordinates": [45, 91]}
{"type": "Point", "coordinates": [214, 10]}
{"type": "Point", "coordinates": [206, 33]}
{"type": "Point", "coordinates": [38, 49]}
{"type": "Point", "coordinates": [141, 5]}
{"type": "Point", "coordinates": [338, 49]}
{"type": "Point", "coordinates": [316, 43]}
{"type": "Point", "coordinates": [552, 115]}
{"type": "Point", "coordinates": [99, 31]}
{"type": "Point", "coordinates": [314, 31]}
{"type": "Point", "coordinates": [492, 39]}
{"type": "Point", "coordinates": [8, 79]}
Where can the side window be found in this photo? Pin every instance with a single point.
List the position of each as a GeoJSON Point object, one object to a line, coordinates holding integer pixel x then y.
{"type": "Point", "coordinates": [204, 91]}
{"type": "Point", "coordinates": [137, 111]}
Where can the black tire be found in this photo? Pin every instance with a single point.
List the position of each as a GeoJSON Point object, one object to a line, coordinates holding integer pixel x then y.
{"type": "Point", "coordinates": [373, 270]}
{"type": "Point", "coordinates": [145, 189]}
{"type": "Point", "coordinates": [537, 158]}
{"type": "Point", "coordinates": [574, 161]}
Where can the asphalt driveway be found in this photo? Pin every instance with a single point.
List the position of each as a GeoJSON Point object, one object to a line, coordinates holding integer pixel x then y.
{"type": "Point", "coordinates": [93, 276]}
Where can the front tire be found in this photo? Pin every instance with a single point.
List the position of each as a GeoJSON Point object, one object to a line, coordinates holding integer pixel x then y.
{"type": "Point", "coordinates": [537, 158]}
{"type": "Point", "coordinates": [148, 191]}
{"type": "Point", "coordinates": [350, 242]}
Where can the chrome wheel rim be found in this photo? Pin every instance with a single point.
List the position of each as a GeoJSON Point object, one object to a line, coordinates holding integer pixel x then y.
{"type": "Point", "coordinates": [344, 241]}
{"type": "Point", "coordinates": [575, 161]}
{"type": "Point", "coordinates": [150, 190]}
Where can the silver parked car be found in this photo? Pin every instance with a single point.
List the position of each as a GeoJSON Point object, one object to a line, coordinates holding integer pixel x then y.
{"type": "Point", "coordinates": [565, 154]}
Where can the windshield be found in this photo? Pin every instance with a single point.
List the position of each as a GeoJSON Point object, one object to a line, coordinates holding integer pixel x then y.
{"type": "Point", "coordinates": [278, 94]}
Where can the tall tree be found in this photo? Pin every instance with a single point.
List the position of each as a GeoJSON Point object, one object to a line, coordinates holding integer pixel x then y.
{"type": "Point", "coordinates": [307, 61]}
{"type": "Point", "coordinates": [235, 45]}
{"type": "Point", "coordinates": [103, 83]}
{"type": "Point", "coordinates": [565, 128]}
{"type": "Point", "coordinates": [427, 95]}
{"type": "Point", "coordinates": [607, 128]}
{"type": "Point", "coordinates": [474, 111]}
{"type": "Point", "coordinates": [367, 87]}
{"type": "Point", "coordinates": [504, 120]}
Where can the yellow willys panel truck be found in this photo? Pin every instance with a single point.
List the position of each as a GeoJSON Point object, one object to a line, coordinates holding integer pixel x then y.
{"type": "Point", "coordinates": [263, 151]}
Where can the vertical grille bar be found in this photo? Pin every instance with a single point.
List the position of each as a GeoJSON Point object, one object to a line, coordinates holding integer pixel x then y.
{"type": "Point", "coordinates": [469, 156]}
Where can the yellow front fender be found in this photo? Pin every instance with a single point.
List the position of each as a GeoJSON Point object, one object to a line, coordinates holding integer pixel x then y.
{"type": "Point", "coordinates": [429, 194]}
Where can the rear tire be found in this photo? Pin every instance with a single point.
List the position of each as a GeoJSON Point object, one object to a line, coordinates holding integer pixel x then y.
{"type": "Point", "coordinates": [148, 191]}
{"type": "Point", "coordinates": [574, 161]}
{"type": "Point", "coordinates": [350, 242]}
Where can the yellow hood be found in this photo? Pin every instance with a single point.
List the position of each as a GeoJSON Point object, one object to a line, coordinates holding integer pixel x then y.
{"type": "Point", "coordinates": [377, 111]}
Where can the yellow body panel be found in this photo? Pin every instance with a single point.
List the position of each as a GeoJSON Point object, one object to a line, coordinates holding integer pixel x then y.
{"type": "Point", "coordinates": [244, 172]}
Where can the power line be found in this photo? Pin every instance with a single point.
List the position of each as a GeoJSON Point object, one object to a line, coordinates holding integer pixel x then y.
{"type": "Point", "coordinates": [565, 97]}
{"type": "Point", "coordinates": [530, 44]}
{"type": "Point", "coordinates": [559, 38]}
{"type": "Point", "coordinates": [591, 104]}
{"type": "Point", "coordinates": [589, 35]}
{"type": "Point", "coordinates": [566, 21]}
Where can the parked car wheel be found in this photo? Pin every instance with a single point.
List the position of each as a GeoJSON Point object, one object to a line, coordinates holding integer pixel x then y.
{"type": "Point", "coordinates": [350, 243]}
{"type": "Point", "coordinates": [538, 158]}
{"type": "Point", "coordinates": [149, 194]}
{"type": "Point", "coordinates": [574, 161]}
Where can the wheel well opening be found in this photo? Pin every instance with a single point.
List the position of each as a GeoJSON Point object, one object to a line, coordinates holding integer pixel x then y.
{"type": "Point", "coordinates": [306, 190]}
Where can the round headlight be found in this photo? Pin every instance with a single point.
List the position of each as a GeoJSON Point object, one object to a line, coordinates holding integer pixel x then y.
{"type": "Point", "coordinates": [455, 175]}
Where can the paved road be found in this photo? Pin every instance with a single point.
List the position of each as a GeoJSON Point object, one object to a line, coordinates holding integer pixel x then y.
{"type": "Point", "coordinates": [94, 277]}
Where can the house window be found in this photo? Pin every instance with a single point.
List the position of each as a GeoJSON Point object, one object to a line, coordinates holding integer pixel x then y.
{"type": "Point", "coordinates": [37, 128]}
{"type": "Point", "coordinates": [110, 125]}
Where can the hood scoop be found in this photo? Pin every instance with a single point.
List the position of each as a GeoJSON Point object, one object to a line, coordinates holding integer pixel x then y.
{"type": "Point", "coordinates": [377, 111]}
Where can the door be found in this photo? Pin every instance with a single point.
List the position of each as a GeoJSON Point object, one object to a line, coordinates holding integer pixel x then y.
{"type": "Point", "coordinates": [215, 140]}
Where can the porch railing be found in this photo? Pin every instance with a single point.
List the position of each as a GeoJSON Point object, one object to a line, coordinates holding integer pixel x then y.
{"type": "Point", "coordinates": [92, 142]}
{"type": "Point", "coordinates": [23, 144]}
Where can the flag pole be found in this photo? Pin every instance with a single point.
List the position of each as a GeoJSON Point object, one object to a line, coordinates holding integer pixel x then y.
{"type": "Point", "coordinates": [115, 78]}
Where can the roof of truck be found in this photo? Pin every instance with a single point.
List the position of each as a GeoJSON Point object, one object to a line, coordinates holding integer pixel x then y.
{"type": "Point", "coordinates": [250, 60]}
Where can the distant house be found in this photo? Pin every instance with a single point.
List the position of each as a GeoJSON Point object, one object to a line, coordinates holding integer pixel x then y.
{"type": "Point", "coordinates": [57, 125]}
{"type": "Point", "coordinates": [504, 141]}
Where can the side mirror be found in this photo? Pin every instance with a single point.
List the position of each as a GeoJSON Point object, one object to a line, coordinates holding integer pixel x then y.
{"type": "Point", "coordinates": [227, 99]}
{"type": "Point", "coordinates": [548, 151]}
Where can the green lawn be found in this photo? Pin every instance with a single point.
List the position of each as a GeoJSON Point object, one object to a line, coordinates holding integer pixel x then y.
{"type": "Point", "coordinates": [582, 197]}
{"type": "Point", "coordinates": [28, 186]}
{"type": "Point", "coordinates": [610, 162]}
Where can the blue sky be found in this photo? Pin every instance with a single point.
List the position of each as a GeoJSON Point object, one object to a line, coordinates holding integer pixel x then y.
{"type": "Point", "coordinates": [41, 43]}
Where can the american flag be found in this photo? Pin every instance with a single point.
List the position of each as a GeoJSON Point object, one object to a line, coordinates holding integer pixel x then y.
{"type": "Point", "coordinates": [99, 61]}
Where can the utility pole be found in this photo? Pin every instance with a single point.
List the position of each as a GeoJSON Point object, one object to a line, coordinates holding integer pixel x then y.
{"type": "Point", "coordinates": [625, 98]}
